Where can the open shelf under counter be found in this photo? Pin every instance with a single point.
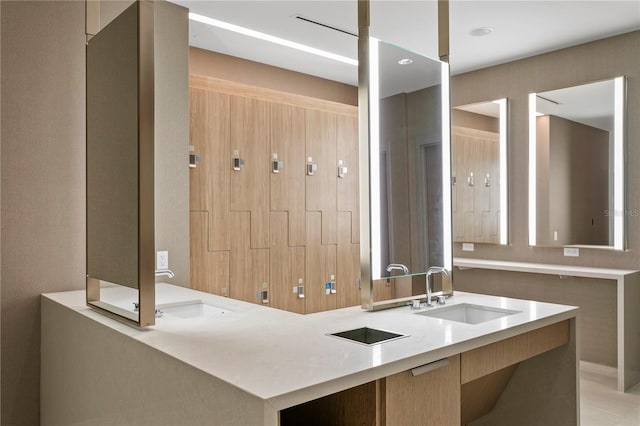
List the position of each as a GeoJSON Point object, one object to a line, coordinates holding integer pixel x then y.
{"type": "Point", "coordinates": [628, 299]}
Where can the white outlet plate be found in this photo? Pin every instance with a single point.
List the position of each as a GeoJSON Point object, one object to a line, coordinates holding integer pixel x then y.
{"type": "Point", "coordinates": [571, 251]}
{"type": "Point", "coordinates": [162, 260]}
{"type": "Point", "coordinates": [468, 247]}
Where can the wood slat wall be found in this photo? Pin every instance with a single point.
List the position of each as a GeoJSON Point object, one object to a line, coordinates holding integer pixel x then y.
{"type": "Point", "coordinates": [254, 230]}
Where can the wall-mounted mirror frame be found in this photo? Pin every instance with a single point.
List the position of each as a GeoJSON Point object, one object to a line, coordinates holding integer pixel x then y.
{"type": "Point", "coordinates": [370, 173]}
{"type": "Point", "coordinates": [485, 124]}
{"type": "Point", "coordinates": [614, 213]}
{"type": "Point", "coordinates": [120, 130]}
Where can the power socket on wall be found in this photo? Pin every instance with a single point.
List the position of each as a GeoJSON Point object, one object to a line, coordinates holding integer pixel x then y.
{"type": "Point", "coordinates": [162, 260]}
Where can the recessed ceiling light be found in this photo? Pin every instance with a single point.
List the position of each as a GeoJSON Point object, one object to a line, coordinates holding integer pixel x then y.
{"type": "Point", "coordinates": [405, 61]}
{"type": "Point", "coordinates": [482, 31]}
{"type": "Point", "coordinates": [270, 38]}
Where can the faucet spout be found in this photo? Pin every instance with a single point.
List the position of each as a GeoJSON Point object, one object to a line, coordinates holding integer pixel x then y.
{"type": "Point", "coordinates": [433, 270]}
{"type": "Point", "coordinates": [165, 273]}
{"type": "Point", "coordinates": [398, 267]}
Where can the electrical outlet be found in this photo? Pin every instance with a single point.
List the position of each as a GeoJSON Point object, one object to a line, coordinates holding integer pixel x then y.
{"type": "Point", "coordinates": [162, 260]}
{"type": "Point", "coordinates": [572, 251]}
{"type": "Point", "coordinates": [467, 247]}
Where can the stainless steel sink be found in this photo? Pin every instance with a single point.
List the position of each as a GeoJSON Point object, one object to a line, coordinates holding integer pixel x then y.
{"type": "Point", "coordinates": [367, 336]}
{"type": "Point", "coordinates": [468, 313]}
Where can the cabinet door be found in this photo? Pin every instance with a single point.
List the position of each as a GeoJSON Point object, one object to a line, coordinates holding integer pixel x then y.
{"type": "Point", "coordinates": [322, 186]}
{"type": "Point", "coordinates": [320, 265]}
{"type": "Point", "coordinates": [431, 398]}
{"type": "Point", "coordinates": [250, 185]}
{"type": "Point", "coordinates": [286, 267]}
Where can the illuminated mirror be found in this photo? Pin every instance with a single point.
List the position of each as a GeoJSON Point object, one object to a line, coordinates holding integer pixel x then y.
{"type": "Point", "coordinates": [479, 172]}
{"type": "Point", "coordinates": [576, 166]}
{"type": "Point", "coordinates": [409, 162]}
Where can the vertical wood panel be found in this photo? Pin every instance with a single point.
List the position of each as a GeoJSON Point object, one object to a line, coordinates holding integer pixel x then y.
{"type": "Point", "coordinates": [250, 185]}
{"type": "Point", "coordinates": [348, 264]}
{"type": "Point", "coordinates": [288, 186]}
{"type": "Point", "coordinates": [429, 399]}
{"type": "Point", "coordinates": [248, 269]}
{"type": "Point", "coordinates": [320, 264]}
{"type": "Point", "coordinates": [209, 269]}
{"type": "Point", "coordinates": [286, 266]}
{"type": "Point", "coordinates": [348, 187]}
{"type": "Point", "coordinates": [321, 187]}
{"type": "Point", "coordinates": [209, 181]}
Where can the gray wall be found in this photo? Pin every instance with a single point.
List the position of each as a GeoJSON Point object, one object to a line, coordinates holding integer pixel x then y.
{"type": "Point", "coordinates": [43, 183]}
{"type": "Point", "coordinates": [42, 193]}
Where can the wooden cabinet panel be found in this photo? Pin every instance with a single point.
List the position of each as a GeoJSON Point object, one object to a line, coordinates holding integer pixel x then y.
{"type": "Point", "coordinates": [288, 185]}
{"type": "Point", "coordinates": [209, 180]}
{"type": "Point", "coordinates": [250, 185]}
{"type": "Point", "coordinates": [348, 264]}
{"type": "Point", "coordinates": [322, 186]}
{"type": "Point", "coordinates": [249, 268]}
{"type": "Point", "coordinates": [320, 264]}
{"type": "Point", "coordinates": [348, 189]}
{"type": "Point", "coordinates": [286, 266]}
{"type": "Point", "coordinates": [431, 398]}
{"type": "Point", "coordinates": [209, 269]}
{"type": "Point", "coordinates": [490, 358]}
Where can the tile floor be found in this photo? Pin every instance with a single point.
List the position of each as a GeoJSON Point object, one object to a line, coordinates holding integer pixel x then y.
{"type": "Point", "coordinates": [601, 404]}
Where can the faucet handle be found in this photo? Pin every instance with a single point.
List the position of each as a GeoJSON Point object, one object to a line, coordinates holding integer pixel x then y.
{"type": "Point", "coordinates": [442, 300]}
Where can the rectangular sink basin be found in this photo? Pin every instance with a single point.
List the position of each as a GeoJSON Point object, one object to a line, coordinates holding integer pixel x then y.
{"type": "Point", "coordinates": [468, 313]}
{"type": "Point", "coordinates": [368, 336]}
{"type": "Point", "coordinates": [195, 309]}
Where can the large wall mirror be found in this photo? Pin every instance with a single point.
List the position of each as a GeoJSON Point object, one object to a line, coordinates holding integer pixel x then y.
{"type": "Point", "coordinates": [576, 166]}
{"type": "Point", "coordinates": [479, 172]}
{"type": "Point", "coordinates": [409, 165]}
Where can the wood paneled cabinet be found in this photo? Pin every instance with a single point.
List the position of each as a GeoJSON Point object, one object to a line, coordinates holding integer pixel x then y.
{"type": "Point", "coordinates": [274, 197]}
{"type": "Point", "coordinates": [476, 185]}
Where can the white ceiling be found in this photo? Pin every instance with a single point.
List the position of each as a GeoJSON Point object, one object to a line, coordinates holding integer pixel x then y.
{"type": "Point", "coordinates": [521, 29]}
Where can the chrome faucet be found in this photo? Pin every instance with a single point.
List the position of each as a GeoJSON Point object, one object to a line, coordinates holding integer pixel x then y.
{"type": "Point", "coordinates": [433, 270]}
{"type": "Point", "coordinates": [398, 267]}
{"type": "Point", "coordinates": [165, 273]}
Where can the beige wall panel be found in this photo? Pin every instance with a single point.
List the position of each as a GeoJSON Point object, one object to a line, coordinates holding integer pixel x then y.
{"type": "Point", "coordinates": [288, 186]}
{"type": "Point", "coordinates": [428, 399]}
{"type": "Point", "coordinates": [348, 264]}
{"type": "Point", "coordinates": [320, 264]}
{"type": "Point", "coordinates": [286, 266]}
{"type": "Point", "coordinates": [209, 269]}
{"type": "Point", "coordinates": [321, 188]}
{"type": "Point", "coordinates": [596, 299]}
{"type": "Point", "coordinates": [250, 185]}
{"type": "Point", "coordinates": [573, 66]}
{"type": "Point", "coordinates": [213, 64]}
{"type": "Point", "coordinates": [42, 184]}
{"type": "Point", "coordinates": [171, 53]}
{"type": "Point", "coordinates": [210, 179]}
{"type": "Point", "coordinates": [248, 268]}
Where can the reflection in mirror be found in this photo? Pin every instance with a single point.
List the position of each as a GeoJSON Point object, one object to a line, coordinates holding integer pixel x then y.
{"type": "Point", "coordinates": [479, 172]}
{"type": "Point", "coordinates": [576, 167]}
{"type": "Point", "coordinates": [409, 164]}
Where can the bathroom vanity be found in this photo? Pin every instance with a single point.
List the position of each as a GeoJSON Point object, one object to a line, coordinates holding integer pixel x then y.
{"type": "Point", "coordinates": [214, 360]}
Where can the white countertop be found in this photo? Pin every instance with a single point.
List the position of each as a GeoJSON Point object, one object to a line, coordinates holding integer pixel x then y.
{"type": "Point", "coordinates": [542, 268]}
{"type": "Point", "coordinates": [286, 358]}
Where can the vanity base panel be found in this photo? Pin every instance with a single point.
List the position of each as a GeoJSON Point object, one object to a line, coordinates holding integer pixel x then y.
{"type": "Point", "coordinates": [93, 374]}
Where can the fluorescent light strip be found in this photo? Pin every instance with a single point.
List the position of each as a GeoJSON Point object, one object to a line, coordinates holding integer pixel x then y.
{"type": "Point", "coordinates": [503, 171]}
{"type": "Point", "coordinates": [277, 40]}
{"type": "Point", "coordinates": [618, 165]}
{"type": "Point", "coordinates": [446, 169]}
{"type": "Point", "coordinates": [532, 169]}
{"type": "Point", "coordinates": [374, 160]}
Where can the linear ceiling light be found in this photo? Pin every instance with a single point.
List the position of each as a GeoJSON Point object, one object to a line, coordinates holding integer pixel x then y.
{"type": "Point", "coordinates": [277, 40]}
